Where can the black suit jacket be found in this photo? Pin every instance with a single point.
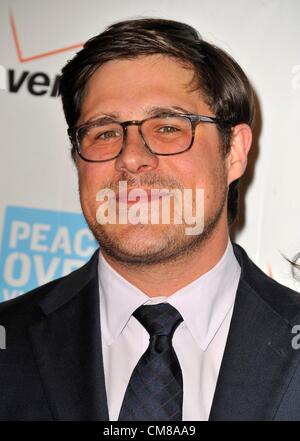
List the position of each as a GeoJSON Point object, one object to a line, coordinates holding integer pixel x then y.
{"type": "Point", "coordinates": [52, 367]}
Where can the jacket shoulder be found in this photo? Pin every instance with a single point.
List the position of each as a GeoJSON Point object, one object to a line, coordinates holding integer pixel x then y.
{"type": "Point", "coordinates": [19, 313]}
{"type": "Point", "coordinates": [25, 307]}
{"type": "Point", "coordinates": [283, 300]}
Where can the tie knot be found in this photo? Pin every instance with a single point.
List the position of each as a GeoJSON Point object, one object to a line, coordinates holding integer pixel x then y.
{"type": "Point", "coordinates": [159, 319]}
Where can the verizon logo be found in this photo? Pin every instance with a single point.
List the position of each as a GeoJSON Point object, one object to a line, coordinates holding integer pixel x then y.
{"type": "Point", "coordinates": [22, 58]}
{"type": "Point", "coordinates": [36, 83]}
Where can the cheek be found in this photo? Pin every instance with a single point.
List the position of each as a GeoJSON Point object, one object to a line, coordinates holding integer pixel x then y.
{"type": "Point", "coordinates": [205, 169]}
{"type": "Point", "coordinates": [194, 170]}
{"type": "Point", "coordinates": [91, 177]}
{"type": "Point", "coordinates": [85, 182]}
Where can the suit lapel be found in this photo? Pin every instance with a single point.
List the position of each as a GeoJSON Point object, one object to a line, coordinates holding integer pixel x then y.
{"type": "Point", "coordinates": [258, 360]}
{"type": "Point", "coordinates": [67, 346]}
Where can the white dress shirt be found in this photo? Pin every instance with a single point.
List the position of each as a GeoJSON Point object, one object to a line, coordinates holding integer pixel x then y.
{"type": "Point", "coordinates": [206, 306]}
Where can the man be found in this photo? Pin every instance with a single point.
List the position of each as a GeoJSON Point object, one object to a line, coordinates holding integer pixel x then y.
{"type": "Point", "coordinates": [164, 323]}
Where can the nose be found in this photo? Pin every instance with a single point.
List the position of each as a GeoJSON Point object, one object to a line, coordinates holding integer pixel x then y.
{"type": "Point", "coordinates": [135, 157]}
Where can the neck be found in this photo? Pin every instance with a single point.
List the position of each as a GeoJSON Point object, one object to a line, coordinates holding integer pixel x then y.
{"type": "Point", "coordinates": [152, 279]}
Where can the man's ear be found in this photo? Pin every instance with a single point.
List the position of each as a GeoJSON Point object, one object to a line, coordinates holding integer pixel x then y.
{"type": "Point", "coordinates": [241, 139]}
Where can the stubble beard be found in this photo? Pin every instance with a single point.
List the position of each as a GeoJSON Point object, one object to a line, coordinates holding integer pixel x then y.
{"type": "Point", "coordinates": [171, 244]}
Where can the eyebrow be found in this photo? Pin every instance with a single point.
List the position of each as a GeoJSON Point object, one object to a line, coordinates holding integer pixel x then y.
{"type": "Point", "coordinates": [153, 111]}
{"type": "Point", "coordinates": [149, 111]}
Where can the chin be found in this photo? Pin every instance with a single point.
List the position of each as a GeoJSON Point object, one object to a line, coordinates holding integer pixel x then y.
{"type": "Point", "coordinates": [140, 239]}
{"type": "Point", "coordinates": [144, 245]}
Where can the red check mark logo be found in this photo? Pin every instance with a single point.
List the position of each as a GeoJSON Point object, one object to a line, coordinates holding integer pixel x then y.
{"type": "Point", "coordinates": [23, 59]}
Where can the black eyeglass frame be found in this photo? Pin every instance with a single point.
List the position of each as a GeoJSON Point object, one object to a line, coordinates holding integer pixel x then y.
{"type": "Point", "coordinates": [194, 120]}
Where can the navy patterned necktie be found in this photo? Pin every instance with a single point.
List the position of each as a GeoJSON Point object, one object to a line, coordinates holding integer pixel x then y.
{"type": "Point", "coordinates": [155, 388]}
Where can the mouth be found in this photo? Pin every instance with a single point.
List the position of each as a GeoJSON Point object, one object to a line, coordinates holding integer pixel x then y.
{"type": "Point", "coordinates": [141, 195]}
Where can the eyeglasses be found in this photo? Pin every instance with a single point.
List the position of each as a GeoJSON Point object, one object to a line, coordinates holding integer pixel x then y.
{"type": "Point", "coordinates": [167, 134]}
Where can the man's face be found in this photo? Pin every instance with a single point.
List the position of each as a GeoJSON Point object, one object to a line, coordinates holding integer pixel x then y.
{"type": "Point", "coordinates": [130, 89]}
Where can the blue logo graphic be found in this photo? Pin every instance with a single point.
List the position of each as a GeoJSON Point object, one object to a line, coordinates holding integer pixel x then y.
{"type": "Point", "coordinates": [39, 246]}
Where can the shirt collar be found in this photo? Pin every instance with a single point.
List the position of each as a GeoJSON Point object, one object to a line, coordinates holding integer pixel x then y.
{"type": "Point", "coordinates": [203, 303]}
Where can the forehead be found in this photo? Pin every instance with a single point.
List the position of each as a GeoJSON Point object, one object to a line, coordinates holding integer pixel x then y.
{"type": "Point", "coordinates": [140, 82]}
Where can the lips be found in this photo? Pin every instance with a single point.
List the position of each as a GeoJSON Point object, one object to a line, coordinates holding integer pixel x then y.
{"type": "Point", "coordinates": [141, 195]}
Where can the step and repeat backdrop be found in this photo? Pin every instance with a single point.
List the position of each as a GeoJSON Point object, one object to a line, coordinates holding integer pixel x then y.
{"type": "Point", "coordinates": [43, 234]}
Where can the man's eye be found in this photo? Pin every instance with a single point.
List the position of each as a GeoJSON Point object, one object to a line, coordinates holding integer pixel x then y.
{"type": "Point", "coordinates": [108, 135]}
{"type": "Point", "coordinates": [168, 129]}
